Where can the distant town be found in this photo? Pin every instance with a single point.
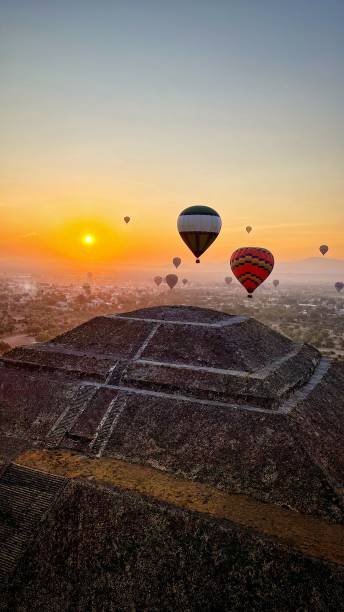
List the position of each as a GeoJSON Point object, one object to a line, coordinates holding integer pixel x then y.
{"type": "Point", "coordinates": [34, 311]}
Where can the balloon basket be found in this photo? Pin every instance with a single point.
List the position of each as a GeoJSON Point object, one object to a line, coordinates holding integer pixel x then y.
{"type": "Point", "coordinates": [198, 261]}
{"type": "Point", "coordinates": [250, 296]}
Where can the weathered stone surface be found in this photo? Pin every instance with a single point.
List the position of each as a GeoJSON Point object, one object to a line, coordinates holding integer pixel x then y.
{"type": "Point", "coordinates": [106, 336]}
{"type": "Point", "coordinates": [180, 314]}
{"type": "Point", "coordinates": [216, 400]}
{"type": "Point", "coordinates": [236, 450]}
{"type": "Point", "coordinates": [25, 497]}
{"type": "Point", "coordinates": [318, 424]}
{"type": "Point", "coordinates": [86, 425]}
{"type": "Point", "coordinates": [264, 388]}
{"type": "Point", "coordinates": [170, 397]}
{"type": "Point", "coordinates": [30, 403]}
{"type": "Point", "coordinates": [113, 550]}
{"type": "Point", "coordinates": [90, 367]}
{"type": "Point", "coordinates": [246, 346]}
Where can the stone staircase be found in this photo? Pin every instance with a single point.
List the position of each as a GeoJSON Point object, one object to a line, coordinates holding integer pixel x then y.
{"type": "Point", "coordinates": [25, 497]}
{"type": "Point", "coordinates": [107, 425]}
{"type": "Point", "coordinates": [66, 421]}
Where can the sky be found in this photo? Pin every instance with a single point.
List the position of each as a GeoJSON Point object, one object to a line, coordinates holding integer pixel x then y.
{"type": "Point", "coordinates": [144, 107]}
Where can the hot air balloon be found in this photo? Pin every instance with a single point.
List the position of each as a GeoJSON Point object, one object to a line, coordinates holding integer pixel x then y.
{"type": "Point", "coordinates": [323, 249]}
{"type": "Point", "coordinates": [87, 288]}
{"type": "Point", "coordinates": [228, 280]}
{"type": "Point", "coordinates": [251, 266]}
{"type": "Point", "coordinates": [339, 286]}
{"type": "Point", "coordinates": [248, 229]}
{"type": "Point", "coordinates": [275, 283]}
{"type": "Point", "coordinates": [171, 280]}
{"type": "Point", "coordinates": [199, 226]}
{"type": "Point", "coordinates": [127, 219]}
{"type": "Point", "coordinates": [158, 280]}
{"type": "Point", "coordinates": [176, 262]}
{"type": "Point", "coordinates": [185, 281]}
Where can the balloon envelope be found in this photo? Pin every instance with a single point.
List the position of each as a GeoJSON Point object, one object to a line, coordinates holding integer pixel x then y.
{"type": "Point", "coordinates": [228, 280]}
{"type": "Point", "coordinates": [185, 281]}
{"type": "Point", "coordinates": [158, 280]}
{"type": "Point", "coordinates": [176, 262]}
{"type": "Point", "coordinates": [248, 229]}
{"type": "Point", "coordinates": [339, 286]}
{"type": "Point", "coordinates": [127, 219]}
{"type": "Point", "coordinates": [251, 266]}
{"type": "Point", "coordinates": [323, 249]}
{"type": "Point", "coordinates": [276, 282]}
{"type": "Point", "coordinates": [171, 280]}
{"type": "Point", "coordinates": [198, 227]}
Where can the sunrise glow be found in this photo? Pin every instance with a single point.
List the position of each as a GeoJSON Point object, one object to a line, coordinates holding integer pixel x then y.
{"type": "Point", "coordinates": [88, 239]}
{"type": "Point", "coordinates": [251, 137]}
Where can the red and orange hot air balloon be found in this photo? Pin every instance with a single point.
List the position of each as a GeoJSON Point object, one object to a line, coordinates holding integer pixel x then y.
{"type": "Point", "coordinates": [251, 266]}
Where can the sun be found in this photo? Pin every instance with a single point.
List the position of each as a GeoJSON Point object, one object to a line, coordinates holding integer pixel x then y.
{"type": "Point", "coordinates": [88, 239]}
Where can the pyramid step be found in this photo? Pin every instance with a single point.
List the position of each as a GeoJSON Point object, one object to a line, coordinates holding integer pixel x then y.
{"type": "Point", "coordinates": [107, 424]}
{"type": "Point", "coordinates": [25, 497]}
{"type": "Point", "coordinates": [66, 421]}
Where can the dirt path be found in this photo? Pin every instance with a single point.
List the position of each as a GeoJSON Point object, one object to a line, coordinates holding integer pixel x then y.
{"type": "Point", "coordinates": [311, 536]}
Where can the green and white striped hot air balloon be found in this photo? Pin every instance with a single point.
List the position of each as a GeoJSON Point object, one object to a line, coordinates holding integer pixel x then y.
{"type": "Point", "coordinates": [199, 226]}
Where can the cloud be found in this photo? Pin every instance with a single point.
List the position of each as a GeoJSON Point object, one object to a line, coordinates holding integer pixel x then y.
{"type": "Point", "coordinates": [29, 235]}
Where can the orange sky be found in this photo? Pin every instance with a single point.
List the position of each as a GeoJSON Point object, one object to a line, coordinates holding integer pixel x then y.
{"type": "Point", "coordinates": [50, 226]}
{"type": "Point", "coordinates": [160, 114]}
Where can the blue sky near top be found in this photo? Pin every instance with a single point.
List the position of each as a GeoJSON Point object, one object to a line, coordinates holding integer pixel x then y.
{"type": "Point", "coordinates": [143, 107]}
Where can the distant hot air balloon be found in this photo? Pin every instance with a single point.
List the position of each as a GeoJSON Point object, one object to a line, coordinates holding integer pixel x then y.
{"type": "Point", "coordinates": [228, 280]}
{"type": "Point", "coordinates": [199, 226]}
{"type": "Point", "coordinates": [158, 280]}
{"type": "Point", "coordinates": [87, 288]}
{"type": "Point", "coordinates": [275, 283]}
{"type": "Point", "coordinates": [251, 266]}
{"type": "Point", "coordinates": [176, 262]}
{"type": "Point", "coordinates": [248, 229]}
{"type": "Point", "coordinates": [339, 286]}
{"type": "Point", "coordinates": [185, 281]}
{"type": "Point", "coordinates": [127, 219]}
{"type": "Point", "coordinates": [323, 249]}
{"type": "Point", "coordinates": [171, 280]}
